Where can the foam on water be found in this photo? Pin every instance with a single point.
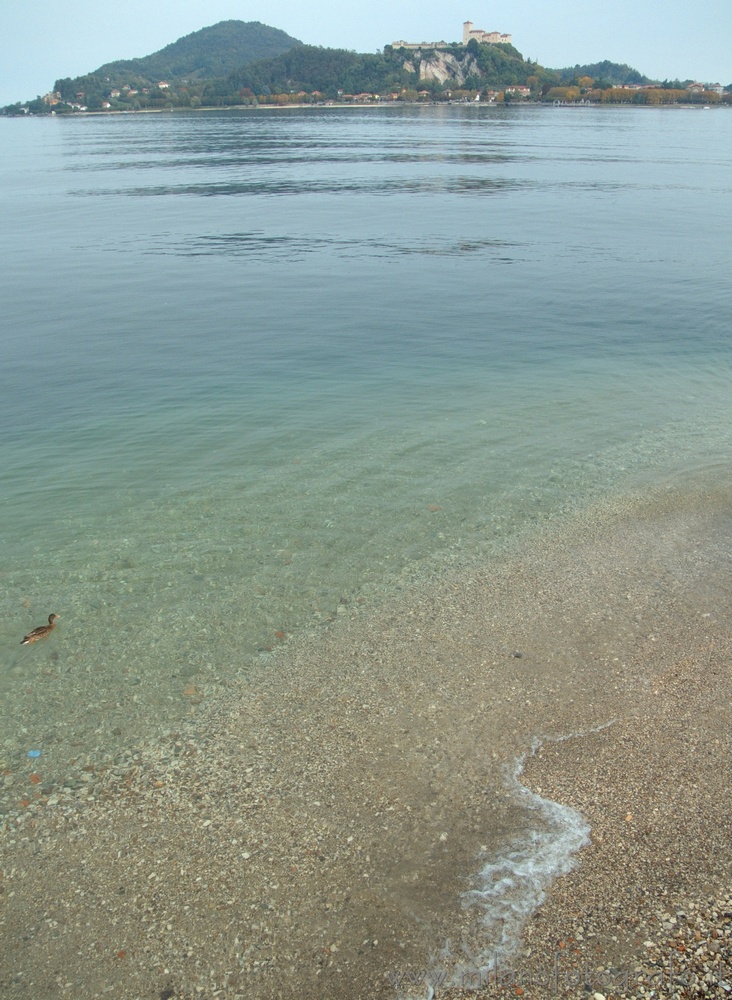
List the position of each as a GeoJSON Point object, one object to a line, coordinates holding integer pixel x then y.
{"type": "Point", "coordinates": [511, 886]}
{"type": "Point", "coordinates": [514, 885]}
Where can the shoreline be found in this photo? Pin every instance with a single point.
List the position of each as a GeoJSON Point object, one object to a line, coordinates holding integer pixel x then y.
{"type": "Point", "coordinates": [335, 105]}
{"type": "Point", "coordinates": [313, 833]}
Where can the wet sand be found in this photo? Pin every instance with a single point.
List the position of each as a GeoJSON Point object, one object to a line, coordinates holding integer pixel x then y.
{"type": "Point", "coordinates": [310, 833]}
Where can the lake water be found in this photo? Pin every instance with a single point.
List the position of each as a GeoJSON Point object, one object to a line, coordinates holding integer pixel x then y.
{"type": "Point", "coordinates": [261, 366]}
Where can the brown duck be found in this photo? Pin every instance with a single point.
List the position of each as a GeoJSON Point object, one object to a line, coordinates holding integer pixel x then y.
{"type": "Point", "coordinates": [41, 632]}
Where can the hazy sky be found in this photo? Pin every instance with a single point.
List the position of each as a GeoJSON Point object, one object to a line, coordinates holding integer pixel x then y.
{"type": "Point", "coordinates": [42, 40]}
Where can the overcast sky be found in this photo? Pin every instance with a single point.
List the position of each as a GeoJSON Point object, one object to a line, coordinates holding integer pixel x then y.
{"type": "Point", "coordinates": [42, 40]}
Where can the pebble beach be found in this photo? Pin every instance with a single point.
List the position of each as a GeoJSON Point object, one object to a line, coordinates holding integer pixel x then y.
{"type": "Point", "coordinates": [318, 829]}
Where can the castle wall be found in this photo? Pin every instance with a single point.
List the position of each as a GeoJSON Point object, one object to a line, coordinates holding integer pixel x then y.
{"type": "Point", "coordinates": [484, 37]}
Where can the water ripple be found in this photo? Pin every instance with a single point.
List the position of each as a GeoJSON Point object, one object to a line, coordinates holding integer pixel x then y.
{"type": "Point", "coordinates": [330, 186]}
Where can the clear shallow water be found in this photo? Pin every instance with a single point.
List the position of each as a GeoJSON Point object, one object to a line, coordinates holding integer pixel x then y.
{"type": "Point", "coordinates": [257, 365]}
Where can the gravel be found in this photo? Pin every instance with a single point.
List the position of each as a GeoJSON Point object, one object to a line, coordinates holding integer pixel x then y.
{"type": "Point", "coordinates": [312, 831]}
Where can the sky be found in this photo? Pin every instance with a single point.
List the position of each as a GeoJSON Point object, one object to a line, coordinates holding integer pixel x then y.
{"type": "Point", "coordinates": [42, 40]}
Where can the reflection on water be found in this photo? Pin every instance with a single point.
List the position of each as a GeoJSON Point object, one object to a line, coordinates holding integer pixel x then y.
{"type": "Point", "coordinates": [330, 186]}
{"type": "Point", "coordinates": [258, 245]}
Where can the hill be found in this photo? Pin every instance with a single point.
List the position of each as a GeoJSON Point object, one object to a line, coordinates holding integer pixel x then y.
{"type": "Point", "coordinates": [615, 74]}
{"type": "Point", "coordinates": [211, 52]}
{"type": "Point", "coordinates": [333, 72]}
{"type": "Point", "coordinates": [311, 68]}
{"type": "Point", "coordinates": [237, 62]}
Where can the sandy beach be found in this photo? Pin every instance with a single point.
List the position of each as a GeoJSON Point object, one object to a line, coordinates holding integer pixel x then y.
{"type": "Point", "coordinates": [312, 831]}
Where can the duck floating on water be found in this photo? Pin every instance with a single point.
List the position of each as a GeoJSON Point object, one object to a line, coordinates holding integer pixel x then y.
{"type": "Point", "coordinates": [41, 632]}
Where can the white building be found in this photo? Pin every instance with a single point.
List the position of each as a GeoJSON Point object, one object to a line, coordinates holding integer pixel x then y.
{"type": "Point", "coordinates": [484, 37]}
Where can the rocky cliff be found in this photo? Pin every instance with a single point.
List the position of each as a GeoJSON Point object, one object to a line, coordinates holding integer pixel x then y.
{"type": "Point", "coordinates": [442, 66]}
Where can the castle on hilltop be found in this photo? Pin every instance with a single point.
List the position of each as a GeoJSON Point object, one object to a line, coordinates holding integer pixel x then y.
{"type": "Point", "coordinates": [483, 37]}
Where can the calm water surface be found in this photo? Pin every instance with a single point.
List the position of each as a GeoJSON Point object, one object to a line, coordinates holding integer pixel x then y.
{"type": "Point", "coordinates": [260, 366]}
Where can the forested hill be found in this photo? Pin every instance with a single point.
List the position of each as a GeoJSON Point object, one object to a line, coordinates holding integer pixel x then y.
{"type": "Point", "coordinates": [310, 68]}
{"type": "Point", "coordinates": [236, 63]}
{"type": "Point", "coordinates": [330, 72]}
{"type": "Point", "coordinates": [211, 52]}
{"type": "Point", "coordinates": [616, 74]}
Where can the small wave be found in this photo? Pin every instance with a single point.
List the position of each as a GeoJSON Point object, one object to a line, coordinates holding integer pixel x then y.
{"type": "Point", "coordinates": [512, 886]}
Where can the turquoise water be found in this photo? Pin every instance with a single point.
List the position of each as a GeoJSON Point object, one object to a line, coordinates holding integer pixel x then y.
{"type": "Point", "coordinates": [260, 366]}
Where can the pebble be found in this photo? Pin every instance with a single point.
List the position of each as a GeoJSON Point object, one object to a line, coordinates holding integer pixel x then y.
{"type": "Point", "coordinates": [697, 953]}
{"type": "Point", "coordinates": [292, 855]}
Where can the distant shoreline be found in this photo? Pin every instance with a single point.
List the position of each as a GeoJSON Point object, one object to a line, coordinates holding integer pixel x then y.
{"type": "Point", "coordinates": [335, 105]}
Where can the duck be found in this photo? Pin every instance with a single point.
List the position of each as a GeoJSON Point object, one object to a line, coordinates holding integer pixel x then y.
{"type": "Point", "coordinates": [41, 632]}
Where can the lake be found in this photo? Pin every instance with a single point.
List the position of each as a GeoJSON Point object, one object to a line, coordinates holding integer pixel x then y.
{"type": "Point", "coordinates": [265, 368]}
